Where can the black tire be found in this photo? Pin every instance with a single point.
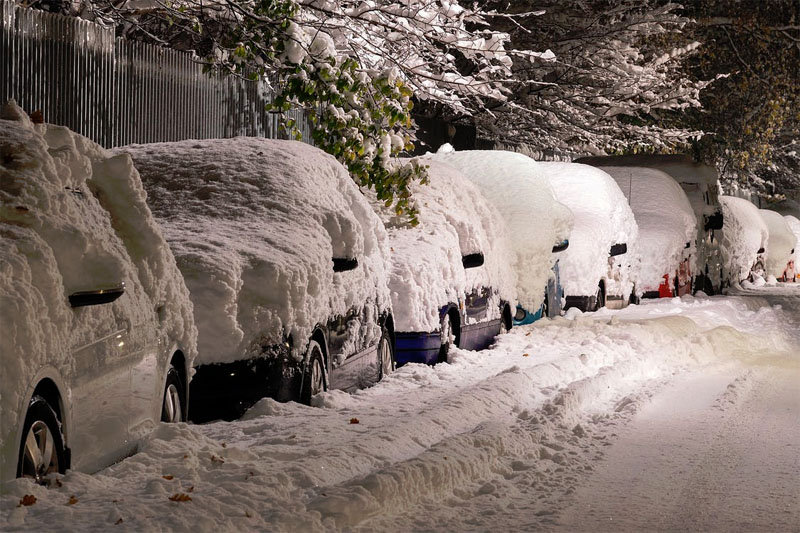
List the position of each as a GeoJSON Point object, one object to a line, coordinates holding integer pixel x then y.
{"type": "Point", "coordinates": [41, 436]}
{"type": "Point", "coordinates": [447, 330]}
{"type": "Point", "coordinates": [315, 379]}
{"type": "Point", "coordinates": [600, 298]}
{"type": "Point", "coordinates": [386, 362]}
{"type": "Point", "coordinates": [173, 404]}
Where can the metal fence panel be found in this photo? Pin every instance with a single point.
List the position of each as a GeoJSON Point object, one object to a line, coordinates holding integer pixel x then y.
{"type": "Point", "coordinates": [119, 92]}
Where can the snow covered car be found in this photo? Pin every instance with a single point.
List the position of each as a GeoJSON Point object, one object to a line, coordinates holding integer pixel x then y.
{"type": "Point", "coordinates": [601, 266]}
{"type": "Point", "coordinates": [794, 224]}
{"type": "Point", "coordinates": [780, 246]}
{"type": "Point", "coordinates": [450, 279]}
{"type": "Point", "coordinates": [667, 230]}
{"type": "Point", "coordinates": [744, 240]}
{"type": "Point", "coordinates": [96, 330]}
{"type": "Point", "coordinates": [285, 264]}
{"type": "Point", "coordinates": [700, 183]}
{"type": "Point", "coordinates": [538, 225]}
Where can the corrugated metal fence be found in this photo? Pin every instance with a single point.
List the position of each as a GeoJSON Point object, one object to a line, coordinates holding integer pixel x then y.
{"type": "Point", "coordinates": [118, 92]}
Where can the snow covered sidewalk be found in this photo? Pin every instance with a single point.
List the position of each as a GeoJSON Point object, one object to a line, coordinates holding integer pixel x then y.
{"type": "Point", "coordinates": [503, 437]}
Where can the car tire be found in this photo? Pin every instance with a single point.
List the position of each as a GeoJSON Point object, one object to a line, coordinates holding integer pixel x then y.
{"type": "Point", "coordinates": [386, 362]}
{"type": "Point", "coordinates": [315, 379]}
{"type": "Point", "coordinates": [600, 298]}
{"type": "Point", "coordinates": [446, 337]}
{"type": "Point", "coordinates": [174, 402]}
{"type": "Point", "coordinates": [41, 451]}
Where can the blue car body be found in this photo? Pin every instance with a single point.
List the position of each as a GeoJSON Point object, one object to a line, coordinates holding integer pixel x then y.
{"type": "Point", "coordinates": [474, 331]}
{"type": "Point", "coordinates": [552, 305]}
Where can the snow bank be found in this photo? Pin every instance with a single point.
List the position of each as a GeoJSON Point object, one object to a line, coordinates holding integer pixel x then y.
{"type": "Point", "coordinates": [744, 233]}
{"type": "Point", "coordinates": [665, 219]}
{"type": "Point", "coordinates": [73, 218]}
{"type": "Point", "coordinates": [781, 242]}
{"type": "Point", "coordinates": [426, 261]}
{"type": "Point", "coordinates": [517, 188]}
{"type": "Point", "coordinates": [254, 225]}
{"type": "Point", "coordinates": [602, 218]}
{"type": "Point", "coordinates": [450, 447]}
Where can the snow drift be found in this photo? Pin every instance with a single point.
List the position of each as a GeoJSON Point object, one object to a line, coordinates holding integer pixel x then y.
{"type": "Point", "coordinates": [73, 218]}
{"type": "Point", "coordinates": [426, 267]}
{"type": "Point", "coordinates": [665, 219]}
{"type": "Point", "coordinates": [602, 218]}
{"type": "Point", "coordinates": [254, 225]}
{"type": "Point", "coordinates": [744, 233]}
{"type": "Point", "coordinates": [781, 242]}
{"type": "Point", "coordinates": [518, 189]}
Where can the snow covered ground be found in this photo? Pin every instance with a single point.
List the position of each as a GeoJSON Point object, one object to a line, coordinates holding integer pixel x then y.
{"type": "Point", "coordinates": [675, 414]}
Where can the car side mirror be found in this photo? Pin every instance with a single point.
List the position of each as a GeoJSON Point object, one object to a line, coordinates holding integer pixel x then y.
{"type": "Point", "coordinates": [560, 247]}
{"type": "Point", "coordinates": [472, 260]}
{"type": "Point", "coordinates": [96, 297]}
{"type": "Point", "coordinates": [618, 249]}
{"type": "Point", "coordinates": [343, 264]}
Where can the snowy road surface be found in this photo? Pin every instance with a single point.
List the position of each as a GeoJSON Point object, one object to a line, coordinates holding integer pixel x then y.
{"type": "Point", "coordinates": [675, 414]}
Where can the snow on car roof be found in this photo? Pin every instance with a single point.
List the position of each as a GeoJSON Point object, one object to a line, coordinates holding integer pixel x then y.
{"type": "Point", "coordinates": [602, 218]}
{"type": "Point", "coordinates": [254, 224]}
{"type": "Point", "coordinates": [780, 244]}
{"type": "Point", "coordinates": [73, 218]}
{"type": "Point", "coordinates": [664, 216]}
{"type": "Point", "coordinates": [426, 267]}
{"type": "Point", "coordinates": [517, 188]}
{"type": "Point", "coordinates": [744, 232]}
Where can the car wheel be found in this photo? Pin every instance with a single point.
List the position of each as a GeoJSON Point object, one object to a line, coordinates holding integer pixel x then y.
{"type": "Point", "coordinates": [600, 298]}
{"type": "Point", "coordinates": [315, 379]}
{"type": "Point", "coordinates": [386, 363]}
{"type": "Point", "coordinates": [41, 451]}
{"type": "Point", "coordinates": [173, 404]}
{"type": "Point", "coordinates": [447, 339]}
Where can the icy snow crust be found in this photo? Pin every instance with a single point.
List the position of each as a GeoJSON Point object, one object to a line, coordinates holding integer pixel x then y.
{"type": "Point", "coordinates": [665, 219]}
{"type": "Point", "coordinates": [518, 189]}
{"type": "Point", "coordinates": [254, 225]}
{"type": "Point", "coordinates": [744, 232]}
{"type": "Point", "coordinates": [73, 218]}
{"type": "Point", "coordinates": [781, 242]}
{"type": "Point", "coordinates": [602, 218]}
{"type": "Point", "coordinates": [426, 268]}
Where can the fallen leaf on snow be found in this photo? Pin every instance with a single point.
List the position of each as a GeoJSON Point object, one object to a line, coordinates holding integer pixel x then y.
{"type": "Point", "coordinates": [28, 499]}
{"type": "Point", "coordinates": [72, 500]}
{"type": "Point", "coordinates": [180, 497]}
{"type": "Point", "coordinates": [169, 477]}
{"type": "Point", "coordinates": [525, 355]}
{"type": "Point", "coordinates": [118, 522]}
{"type": "Point", "coordinates": [354, 421]}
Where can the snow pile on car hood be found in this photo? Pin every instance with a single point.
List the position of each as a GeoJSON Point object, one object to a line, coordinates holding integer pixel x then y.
{"type": "Point", "coordinates": [254, 224]}
{"type": "Point", "coordinates": [426, 261]}
{"type": "Point", "coordinates": [517, 188]}
{"type": "Point", "coordinates": [57, 238]}
{"type": "Point", "coordinates": [781, 242]}
{"type": "Point", "coordinates": [744, 233]}
{"type": "Point", "coordinates": [603, 218]}
{"type": "Point", "coordinates": [665, 219]}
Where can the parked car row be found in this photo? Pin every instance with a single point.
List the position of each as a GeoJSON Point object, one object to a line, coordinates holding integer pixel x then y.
{"type": "Point", "coordinates": [259, 269]}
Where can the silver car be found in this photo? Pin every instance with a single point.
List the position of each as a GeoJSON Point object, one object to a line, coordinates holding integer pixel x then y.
{"type": "Point", "coordinates": [96, 332]}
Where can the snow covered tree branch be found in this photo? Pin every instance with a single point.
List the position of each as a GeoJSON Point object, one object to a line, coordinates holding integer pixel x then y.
{"type": "Point", "coordinates": [353, 65]}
